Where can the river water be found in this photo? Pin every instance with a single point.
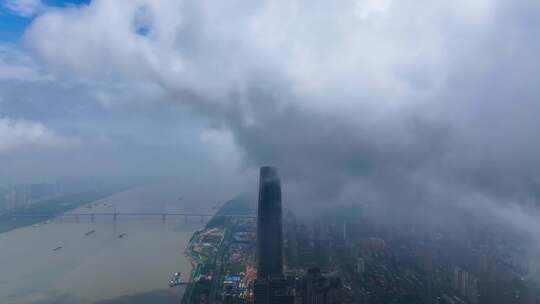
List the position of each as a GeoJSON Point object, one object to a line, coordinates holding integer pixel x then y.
{"type": "Point", "coordinates": [103, 267]}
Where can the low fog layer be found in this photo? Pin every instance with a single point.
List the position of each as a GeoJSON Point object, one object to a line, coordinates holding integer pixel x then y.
{"type": "Point", "coordinates": [416, 108]}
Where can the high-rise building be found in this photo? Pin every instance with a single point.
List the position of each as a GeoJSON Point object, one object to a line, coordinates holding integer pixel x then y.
{"type": "Point", "coordinates": [466, 285]}
{"type": "Point", "coordinates": [291, 255]}
{"type": "Point", "coordinates": [321, 289]}
{"type": "Point", "coordinates": [269, 228]}
{"type": "Point", "coordinates": [270, 287]}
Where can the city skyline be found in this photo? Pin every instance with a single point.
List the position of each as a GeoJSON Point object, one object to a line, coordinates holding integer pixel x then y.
{"type": "Point", "coordinates": [432, 133]}
{"type": "Point", "coordinates": [405, 134]}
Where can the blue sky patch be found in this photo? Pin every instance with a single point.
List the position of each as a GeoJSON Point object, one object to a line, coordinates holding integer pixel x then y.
{"type": "Point", "coordinates": [12, 26]}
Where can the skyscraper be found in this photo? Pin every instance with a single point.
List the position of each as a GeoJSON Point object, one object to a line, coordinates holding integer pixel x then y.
{"type": "Point", "coordinates": [270, 286]}
{"type": "Point", "coordinates": [269, 228]}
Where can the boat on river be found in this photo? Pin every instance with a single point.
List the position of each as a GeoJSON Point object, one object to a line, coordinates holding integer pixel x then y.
{"type": "Point", "coordinates": [175, 280]}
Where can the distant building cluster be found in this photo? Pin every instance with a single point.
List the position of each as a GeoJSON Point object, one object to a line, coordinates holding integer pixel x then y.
{"type": "Point", "coordinates": [466, 285]}
{"type": "Point", "coordinates": [343, 258]}
{"type": "Point", "coordinates": [263, 264]}
{"type": "Point", "coordinates": [381, 264]}
{"type": "Point", "coordinates": [21, 196]}
{"type": "Point", "coordinates": [240, 272]}
{"type": "Point", "coordinates": [209, 242]}
{"type": "Point", "coordinates": [302, 282]}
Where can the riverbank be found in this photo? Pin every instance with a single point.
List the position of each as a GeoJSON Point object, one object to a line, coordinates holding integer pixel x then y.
{"type": "Point", "coordinates": [206, 248]}
{"type": "Point", "coordinates": [102, 266]}
{"type": "Point", "coordinates": [52, 207]}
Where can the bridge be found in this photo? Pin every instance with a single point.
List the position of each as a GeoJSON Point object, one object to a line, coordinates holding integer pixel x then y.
{"type": "Point", "coordinates": [115, 215]}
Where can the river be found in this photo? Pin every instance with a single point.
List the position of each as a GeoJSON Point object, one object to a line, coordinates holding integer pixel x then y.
{"type": "Point", "coordinates": [103, 267]}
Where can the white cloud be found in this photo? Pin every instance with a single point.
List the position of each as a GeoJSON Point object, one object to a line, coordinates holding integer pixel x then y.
{"type": "Point", "coordinates": [431, 88]}
{"type": "Point", "coordinates": [367, 9]}
{"type": "Point", "coordinates": [15, 64]}
{"type": "Point", "coordinates": [319, 49]}
{"type": "Point", "coordinates": [224, 151]}
{"type": "Point", "coordinates": [17, 134]}
{"type": "Point", "coordinates": [25, 8]}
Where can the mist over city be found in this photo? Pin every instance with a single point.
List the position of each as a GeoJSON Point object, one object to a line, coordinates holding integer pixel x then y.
{"type": "Point", "coordinates": [403, 135]}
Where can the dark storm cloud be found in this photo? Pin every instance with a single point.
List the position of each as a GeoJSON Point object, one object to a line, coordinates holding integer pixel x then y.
{"type": "Point", "coordinates": [427, 108]}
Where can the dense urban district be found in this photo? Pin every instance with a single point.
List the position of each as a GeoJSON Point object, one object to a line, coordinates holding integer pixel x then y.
{"type": "Point", "coordinates": [223, 255]}
{"type": "Point", "coordinates": [343, 257]}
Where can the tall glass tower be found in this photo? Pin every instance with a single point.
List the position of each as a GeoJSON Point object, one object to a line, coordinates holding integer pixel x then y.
{"type": "Point", "coordinates": [269, 229]}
